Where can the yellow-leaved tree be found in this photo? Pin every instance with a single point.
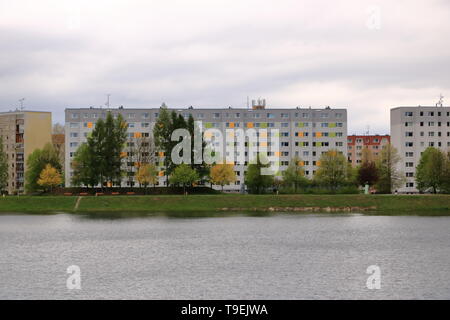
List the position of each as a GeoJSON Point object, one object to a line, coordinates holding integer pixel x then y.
{"type": "Point", "coordinates": [147, 174]}
{"type": "Point", "coordinates": [222, 174]}
{"type": "Point", "coordinates": [49, 177]}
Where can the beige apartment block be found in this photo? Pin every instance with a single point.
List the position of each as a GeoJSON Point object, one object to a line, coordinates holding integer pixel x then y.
{"type": "Point", "coordinates": [22, 133]}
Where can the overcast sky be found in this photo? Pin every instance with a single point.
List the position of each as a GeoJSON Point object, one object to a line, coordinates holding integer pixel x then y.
{"type": "Point", "coordinates": [367, 56]}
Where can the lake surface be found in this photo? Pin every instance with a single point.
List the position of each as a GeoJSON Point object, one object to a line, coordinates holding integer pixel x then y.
{"type": "Point", "coordinates": [237, 257]}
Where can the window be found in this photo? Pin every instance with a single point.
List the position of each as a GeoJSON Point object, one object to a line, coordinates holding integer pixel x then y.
{"type": "Point", "coordinates": [431, 134]}
{"type": "Point", "coordinates": [285, 124]}
{"type": "Point", "coordinates": [285, 115]}
{"type": "Point", "coordinates": [285, 144]}
{"type": "Point", "coordinates": [74, 125]}
{"type": "Point", "coordinates": [339, 144]}
{"type": "Point", "coordinates": [409, 174]}
{"type": "Point", "coordinates": [409, 154]}
{"type": "Point", "coordinates": [431, 123]}
{"type": "Point", "coordinates": [408, 124]}
{"type": "Point", "coordinates": [74, 115]}
{"type": "Point", "coordinates": [130, 124]}
{"type": "Point", "coordinates": [408, 114]}
{"type": "Point", "coordinates": [408, 144]}
{"type": "Point", "coordinates": [73, 144]}
{"type": "Point", "coordinates": [131, 115]}
{"type": "Point", "coordinates": [410, 184]}
{"type": "Point", "coordinates": [409, 164]}
{"type": "Point", "coordinates": [145, 124]}
{"type": "Point", "coordinates": [408, 134]}
{"type": "Point", "coordinates": [146, 115]}
{"type": "Point", "coordinates": [305, 115]}
{"type": "Point", "coordinates": [270, 116]}
{"type": "Point", "coordinates": [74, 134]}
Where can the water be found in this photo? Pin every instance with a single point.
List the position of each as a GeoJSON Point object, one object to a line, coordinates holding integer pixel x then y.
{"type": "Point", "coordinates": [238, 257]}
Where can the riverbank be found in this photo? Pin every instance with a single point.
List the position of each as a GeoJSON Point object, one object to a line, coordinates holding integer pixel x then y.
{"type": "Point", "coordinates": [298, 203]}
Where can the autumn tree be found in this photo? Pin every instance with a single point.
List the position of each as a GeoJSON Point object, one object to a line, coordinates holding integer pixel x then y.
{"type": "Point", "coordinates": [147, 174]}
{"type": "Point", "coordinates": [222, 174]}
{"type": "Point", "coordinates": [49, 177]}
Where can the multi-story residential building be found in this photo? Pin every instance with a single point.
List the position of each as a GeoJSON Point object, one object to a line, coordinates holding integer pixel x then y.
{"type": "Point", "coordinates": [413, 129]}
{"type": "Point", "coordinates": [302, 132]}
{"type": "Point", "coordinates": [372, 144]}
{"type": "Point", "coordinates": [22, 133]}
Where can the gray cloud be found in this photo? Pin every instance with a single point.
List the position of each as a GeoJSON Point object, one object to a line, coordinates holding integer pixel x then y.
{"type": "Point", "coordinates": [62, 54]}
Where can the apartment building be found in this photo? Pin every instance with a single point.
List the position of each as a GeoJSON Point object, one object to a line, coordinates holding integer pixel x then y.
{"type": "Point", "coordinates": [372, 144]}
{"type": "Point", "coordinates": [413, 129]}
{"type": "Point", "coordinates": [302, 132]}
{"type": "Point", "coordinates": [23, 132]}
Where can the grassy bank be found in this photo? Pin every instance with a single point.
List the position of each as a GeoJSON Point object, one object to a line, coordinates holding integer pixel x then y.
{"type": "Point", "coordinates": [372, 204]}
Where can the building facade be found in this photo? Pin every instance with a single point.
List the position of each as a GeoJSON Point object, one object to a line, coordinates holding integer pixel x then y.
{"type": "Point", "coordinates": [413, 129]}
{"type": "Point", "coordinates": [372, 144]}
{"type": "Point", "coordinates": [302, 132]}
{"type": "Point", "coordinates": [23, 132]}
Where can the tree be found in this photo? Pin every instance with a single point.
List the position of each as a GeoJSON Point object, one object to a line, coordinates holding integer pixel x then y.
{"type": "Point", "coordinates": [294, 175]}
{"type": "Point", "coordinates": [254, 180]}
{"type": "Point", "coordinates": [162, 132]}
{"type": "Point", "coordinates": [105, 146]}
{"type": "Point", "coordinates": [58, 128]}
{"type": "Point", "coordinates": [222, 174]}
{"type": "Point", "coordinates": [184, 175]}
{"type": "Point", "coordinates": [49, 177]}
{"type": "Point", "coordinates": [334, 171]}
{"type": "Point", "coordinates": [431, 171]}
{"type": "Point", "coordinates": [367, 173]}
{"type": "Point", "coordinates": [3, 167]}
{"type": "Point", "coordinates": [389, 176]}
{"type": "Point", "coordinates": [147, 174]}
{"type": "Point", "coordinates": [84, 167]}
{"type": "Point", "coordinates": [36, 162]}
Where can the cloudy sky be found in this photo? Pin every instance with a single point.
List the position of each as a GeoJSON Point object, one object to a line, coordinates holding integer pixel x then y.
{"type": "Point", "coordinates": [367, 56]}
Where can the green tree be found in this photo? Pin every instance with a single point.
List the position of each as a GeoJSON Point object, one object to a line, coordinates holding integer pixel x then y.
{"type": "Point", "coordinates": [36, 162]}
{"type": "Point", "coordinates": [294, 175]}
{"type": "Point", "coordinates": [184, 175]}
{"type": "Point", "coordinates": [334, 170]}
{"type": "Point", "coordinates": [84, 167]}
{"type": "Point", "coordinates": [390, 177]}
{"type": "Point", "coordinates": [3, 166]}
{"type": "Point", "coordinates": [162, 132]}
{"type": "Point", "coordinates": [254, 180]}
{"type": "Point", "coordinates": [431, 170]}
{"type": "Point", "coordinates": [105, 145]}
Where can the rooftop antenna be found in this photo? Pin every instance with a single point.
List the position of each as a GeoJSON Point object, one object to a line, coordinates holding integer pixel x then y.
{"type": "Point", "coordinates": [107, 100]}
{"type": "Point", "coordinates": [248, 103]}
{"type": "Point", "coordinates": [441, 101]}
{"type": "Point", "coordinates": [368, 130]}
{"type": "Point", "coordinates": [21, 103]}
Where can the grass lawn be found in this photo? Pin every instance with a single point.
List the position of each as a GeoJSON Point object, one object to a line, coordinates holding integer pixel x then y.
{"type": "Point", "coordinates": [378, 204]}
